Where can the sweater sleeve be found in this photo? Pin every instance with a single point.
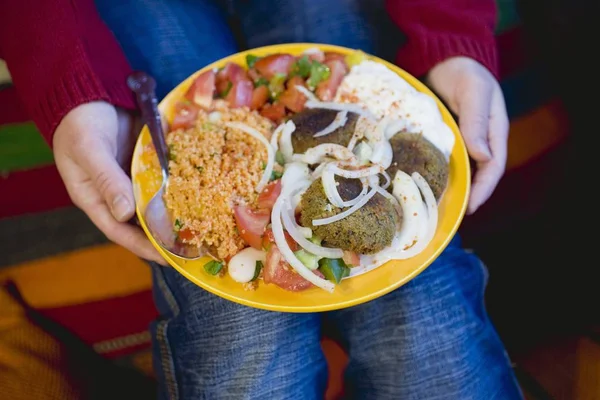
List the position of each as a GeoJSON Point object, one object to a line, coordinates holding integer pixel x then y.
{"type": "Point", "coordinates": [439, 29]}
{"type": "Point", "coordinates": [60, 55]}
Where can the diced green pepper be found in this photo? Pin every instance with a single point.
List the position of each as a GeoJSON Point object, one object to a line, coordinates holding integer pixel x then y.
{"type": "Point", "coordinates": [309, 260]}
{"type": "Point", "coordinates": [302, 67]}
{"type": "Point", "coordinates": [178, 225]}
{"type": "Point", "coordinates": [279, 158]}
{"type": "Point", "coordinates": [318, 73]}
{"type": "Point", "coordinates": [276, 175]}
{"type": "Point", "coordinates": [262, 81]}
{"type": "Point", "coordinates": [213, 267]}
{"type": "Point", "coordinates": [334, 269]}
{"type": "Point", "coordinates": [257, 269]}
{"type": "Point", "coordinates": [277, 85]}
{"type": "Point", "coordinates": [251, 59]}
{"type": "Point", "coordinates": [355, 58]}
{"type": "Point", "coordinates": [315, 239]}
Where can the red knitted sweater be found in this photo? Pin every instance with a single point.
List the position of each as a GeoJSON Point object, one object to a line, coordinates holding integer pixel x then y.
{"type": "Point", "coordinates": [60, 54]}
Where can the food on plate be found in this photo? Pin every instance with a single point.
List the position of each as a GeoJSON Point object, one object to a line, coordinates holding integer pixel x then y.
{"type": "Point", "coordinates": [414, 153]}
{"type": "Point", "coordinates": [301, 171]}
{"type": "Point", "coordinates": [366, 231]}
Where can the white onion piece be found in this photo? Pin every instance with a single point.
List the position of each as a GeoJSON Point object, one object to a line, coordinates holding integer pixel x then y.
{"type": "Point", "coordinates": [408, 195]}
{"type": "Point", "coordinates": [330, 188]}
{"type": "Point", "coordinates": [291, 205]}
{"type": "Point", "coordinates": [354, 108]}
{"type": "Point", "coordinates": [309, 95]}
{"type": "Point", "coordinates": [242, 266]}
{"type": "Point", "coordinates": [352, 142]}
{"type": "Point", "coordinates": [289, 255]}
{"type": "Point", "coordinates": [294, 174]}
{"type": "Point", "coordinates": [363, 200]}
{"type": "Point", "coordinates": [319, 153]}
{"type": "Point", "coordinates": [388, 180]}
{"type": "Point", "coordinates": [270, 152]}
{"type": "Point", "coordinates": [307, 245]}
{"type": "Point", "coordinates": [432, 218]}
{"type": "Point", "coordinates": [357, 173]}
{"type": "Point", "coordinates": [286, 140]}
{"type": "Point", "coordinates": [275, 136]}
{"type": "Point", "coordinates": [340, 120]}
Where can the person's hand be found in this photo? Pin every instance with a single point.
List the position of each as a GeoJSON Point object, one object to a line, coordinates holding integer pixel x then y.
{"type": "Point", "coordinates": [473, 93]}
{"type": "Point", "coordinates": [91, 144]}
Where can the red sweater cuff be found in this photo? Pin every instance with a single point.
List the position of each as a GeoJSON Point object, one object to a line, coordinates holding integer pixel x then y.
{"type": "Point", "coordinates": [418, 56]}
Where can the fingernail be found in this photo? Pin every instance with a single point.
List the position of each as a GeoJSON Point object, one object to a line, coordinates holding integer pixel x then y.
{"type": "Point", "coordinates": [120, 208]}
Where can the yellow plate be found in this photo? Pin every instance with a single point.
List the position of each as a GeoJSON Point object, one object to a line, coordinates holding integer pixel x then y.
{"type": "Point", "coordinates": [351, 292]}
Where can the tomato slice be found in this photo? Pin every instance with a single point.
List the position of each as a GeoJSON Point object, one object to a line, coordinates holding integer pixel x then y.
{"type": "Point", "coordinates": [292, 98]}
{"type": "Point", "coordinates": [232, 72]}
{"type": "Point", "coordinates": [278, 272]}
{"type": "Point", "coordinates": [203, 90]}
{"type": "Point", "coordinates": [268, 197]}
{"type": "Point", "coordinates": [251, 224]}
{"type": "Point", "coordinates": [275, 64]}
{"type": "Point", "coordinates": [186, 234]}
{"type": "Point", "coordinates": [275, 112]}
{"type": "Point", "coordinates": [260, 95]}
{"type": "Point", "coordinates": [185, 115]}
{"type": "Point", "coordinates": [269, 240]}
{"type": "Point", "coordinates": [326, 90]}
{"type": "Point", "coordinates": [240, 94]}
{"type": "Point", "coordinates": [351, 258]}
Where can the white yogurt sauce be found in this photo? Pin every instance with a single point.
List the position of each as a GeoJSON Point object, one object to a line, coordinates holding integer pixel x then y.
{"type": "Point", "coordinates": [386, 94]}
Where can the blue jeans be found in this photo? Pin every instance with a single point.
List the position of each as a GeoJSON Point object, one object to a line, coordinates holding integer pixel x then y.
{"type": "Point", "coordinates": [430, 339]}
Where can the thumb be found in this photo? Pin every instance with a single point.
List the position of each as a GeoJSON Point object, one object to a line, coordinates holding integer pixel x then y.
{"type": "Point", "coordinates": [110, 180]}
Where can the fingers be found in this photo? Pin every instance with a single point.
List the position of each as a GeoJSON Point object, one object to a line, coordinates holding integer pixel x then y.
{"type": "Point", "coordinates": [110, 180]}
{"type": "Point", "coordinates": [474, 112]}
{"type": "Point", "coordinates": [129, 236]}
{"type": "Point", "coordinates": [490, 172]}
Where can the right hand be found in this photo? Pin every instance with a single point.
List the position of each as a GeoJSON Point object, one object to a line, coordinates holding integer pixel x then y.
{"type": "Point", "coordinates": [91, 145]}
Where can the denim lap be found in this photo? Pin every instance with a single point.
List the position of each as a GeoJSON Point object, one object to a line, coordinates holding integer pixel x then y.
{"type": "Point", "coordinates": [430, 339]}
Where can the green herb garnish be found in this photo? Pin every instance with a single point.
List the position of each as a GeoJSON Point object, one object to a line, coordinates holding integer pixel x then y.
{"type": "Point", "coordinates": [257, 269]}
{"type": "Point", "coordinates": [277, 85]}
{"type": "Point", "coordinates": [178, 225]}
{"type": "Point", "coordinates": [262, 81]}
{"type": "Point", "coordinates": [318, 73]}
{"type": "Point", "coordinates": [225, 92]}
{"type": "Point", "coordinates": [251, 59]}
{"type": "Point", "coordinates": [213, 267]}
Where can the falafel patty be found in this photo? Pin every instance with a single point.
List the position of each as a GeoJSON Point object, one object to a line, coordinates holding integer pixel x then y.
{"type": "Point", "coordinates": [312, 120]}
{"type": "Point", "coordinates": [366, 231]}
{"type": "Point", "coordinates": [414, 153]}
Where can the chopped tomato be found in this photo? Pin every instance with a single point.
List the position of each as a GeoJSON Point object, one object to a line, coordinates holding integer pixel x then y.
{"type": "Point", "coordinates": [185, 115]}
{"type": "Point", "coordinates": [351, 258]}
{"type": "Point", "coordinates": [326, 90]}
{"type": "Point", "coordinates": [268, 197]}
{"type": "Point", "coordinates": [232, 72]}
{"type": "Point", "coordinates": [253, 74]}
{"type": "Point", "coordinates": [292, 98]}
{"type": "Point", "coordinates": [251, 224]}
{"type": "Point", "coordinates": [278, 272]}
{"type": "Point", "coordinates": [260, 95]}
{"type": "Point", "coordinates": [275, 64]}
{"type": "Point", "coordinates": [240, 94]}
{"type": "Point", "coordinates": [332, 55]}
{"type": "Point", "coordinates": [186, 234]}
{"type": "Point", "coordinates": [269, 239]}
{"type": "Point", "coordinates": [275, 112]}
{"type": "Point", "coordinates": [202, 90]}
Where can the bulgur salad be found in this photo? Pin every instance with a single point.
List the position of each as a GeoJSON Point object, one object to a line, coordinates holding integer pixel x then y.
{"type": "Point", "coordinates": [302, 171]}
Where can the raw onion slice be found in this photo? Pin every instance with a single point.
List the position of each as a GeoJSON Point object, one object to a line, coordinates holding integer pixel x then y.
{"type": "Point", "coordinates": [264, 180]}
{"type": "Point", "coordinates": [408, 195]}
{"type": "Point", "coordinates": [275, 136]}
{"type": "Point", "coordinates": [319, 153]}
{"type": "Point", "coordinates": [289, 255]}
{"type": "Point", "coordinates": [340, 120]}
{"type": "Point", "coordinates": [357, 173]}
{"type": "Point", "coordinates": [307, 245]}
{"type": "Point", "coordinates": [309, 95]}
{"type": "Point", "coordinates": [330, 188]}
{"type": "Point", "coordinates": [383, 154]}
{"type": "Point", "coordinates": [363, 200]}
{"type": "Point", "coordinates": [286, 140]}
{"type": "Point", "coordinates": [350, 107]}
{"type": "Point", "coordinates": [291, 205]}
{"type": "Point", "coordinates": [388, 180]}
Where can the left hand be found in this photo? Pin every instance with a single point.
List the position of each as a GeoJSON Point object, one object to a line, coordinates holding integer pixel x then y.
{"type": "Point", "coordinates": [472, 92]}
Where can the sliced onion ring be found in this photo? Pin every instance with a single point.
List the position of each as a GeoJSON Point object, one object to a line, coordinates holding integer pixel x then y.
{"type": "Point", "coordinates": [323, 151]}
{"type": "Point", "coordinates": [289, 255]}
{"type": "Point", "coordinates": [309, 95]}
{"type": "Point", "coordinates": [340, 120]}
{"type": "Point", "coordinates": [270, 152]}
{"type": "Point", "coordinates": [358, 173]}
{"type": "Point", "coordinates": [286, 140]}
{"type": "Point", "coordinates": [345, 213]}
